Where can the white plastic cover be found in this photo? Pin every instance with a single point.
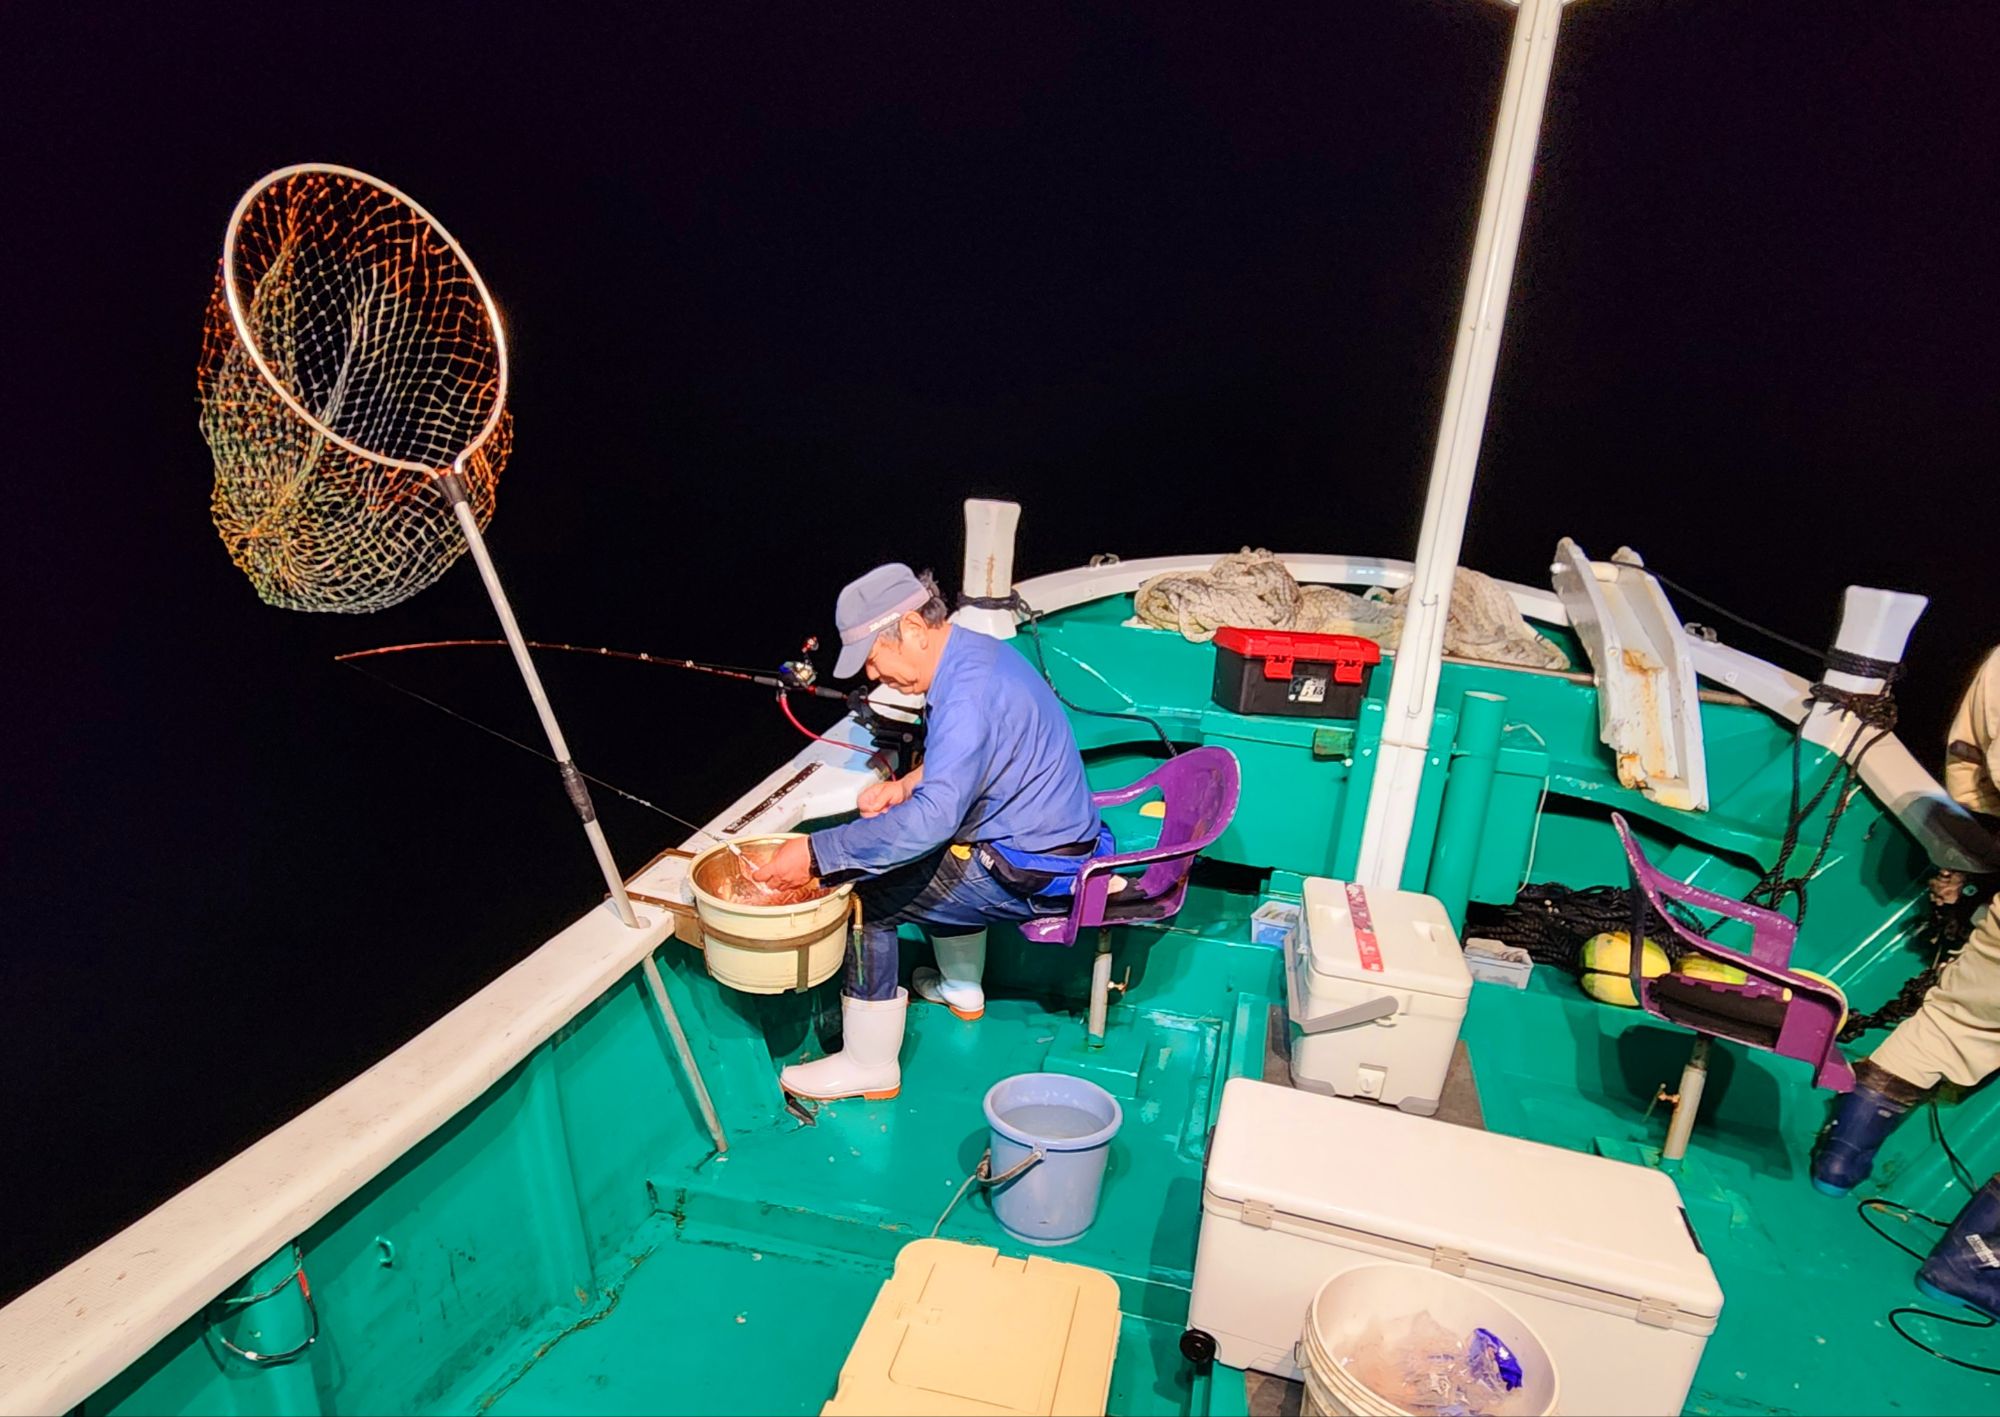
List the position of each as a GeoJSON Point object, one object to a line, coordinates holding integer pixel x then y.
{"type": "Point", "coordinates": [1396, 939]}
{"type": "Point", "coordinates": [1498, 1201]}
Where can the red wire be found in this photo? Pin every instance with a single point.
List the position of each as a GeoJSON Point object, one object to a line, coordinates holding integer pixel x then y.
{"type": "Point", "coordinates": [785, 703]}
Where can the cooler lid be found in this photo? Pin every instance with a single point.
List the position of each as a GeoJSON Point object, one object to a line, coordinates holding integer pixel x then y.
{"type": "Point", "coordinates": [963, 1329]}
{"type": "Point", "coordinates": [1395, 939]}
{"type": "Point", "coordinates": [1497, 1200]}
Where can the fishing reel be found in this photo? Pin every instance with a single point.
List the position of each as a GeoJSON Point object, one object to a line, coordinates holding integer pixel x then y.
{"type": "Point", "coordinates": [898, 735]}
{"type": "Point", "coordinates": [800, 673]}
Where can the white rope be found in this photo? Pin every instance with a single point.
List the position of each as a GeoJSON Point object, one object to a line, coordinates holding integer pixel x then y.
{"type": "Point", "coordinates": [1253, 590]}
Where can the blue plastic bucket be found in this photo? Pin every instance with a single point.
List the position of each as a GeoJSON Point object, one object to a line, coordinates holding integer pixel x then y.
{"type": "Point", "coordinates": [1071, 1122]}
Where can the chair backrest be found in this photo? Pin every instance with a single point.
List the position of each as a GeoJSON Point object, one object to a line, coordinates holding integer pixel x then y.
{"type": "Point", "coordinates": [1772, 935]}
{"type": "Point", "coordinates": [1775, 1007]}
{"type": "Point", "coordinates": [1199, 789]}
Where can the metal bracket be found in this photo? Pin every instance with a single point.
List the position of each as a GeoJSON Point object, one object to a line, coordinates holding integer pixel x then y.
{"type": "Point", "coordinates": [1446, 1260]}
{"type": "Point", "coordinates": [272, 1360]}
{"type": "Point", "coordinates": [1258, 1213]}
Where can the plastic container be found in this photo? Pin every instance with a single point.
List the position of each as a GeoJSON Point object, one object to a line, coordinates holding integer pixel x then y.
{"type": "Point", "coordinates": [1386, 1297]}
{"type": "Point", "coordinates": [1284, 672]}
{"type": "Point", "coordinates": [1376, 995]}
{"type": "Point", "coordinates": [1491, 962]}
{"type": "Point", "coordinates": [1071, 1122]}
{"type": "Point", "coordinates": [1596, 1254]}
{"type": "Point", "coordinates": [1275, 922]}
{"type": "Point", "coordinates": [766, 949]}
{"type": "Point", "coordinates": [964, 1329]}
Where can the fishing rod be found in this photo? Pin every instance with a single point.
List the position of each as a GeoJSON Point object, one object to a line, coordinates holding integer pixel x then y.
{"type": "Point", "coordinates": [793, 676]}
{"type": "Point", "coordinates": [895, 743]}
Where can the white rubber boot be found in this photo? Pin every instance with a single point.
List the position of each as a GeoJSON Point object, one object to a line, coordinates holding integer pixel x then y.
{"type": "Point", "coordinates": [866, 1065]}
{"type": "Point", "coordinates": [955, 982]}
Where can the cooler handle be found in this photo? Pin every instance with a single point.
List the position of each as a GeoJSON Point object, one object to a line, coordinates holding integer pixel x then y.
{"type": "Point", "coordinates": [1367, 1011]}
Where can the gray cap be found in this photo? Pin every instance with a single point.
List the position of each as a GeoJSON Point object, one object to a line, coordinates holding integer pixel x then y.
{"type": "Point", "coordinates": [870, 605]}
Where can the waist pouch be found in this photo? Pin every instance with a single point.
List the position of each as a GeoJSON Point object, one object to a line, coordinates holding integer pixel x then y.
{"type": "Point", "coordinates": [1042, 875]}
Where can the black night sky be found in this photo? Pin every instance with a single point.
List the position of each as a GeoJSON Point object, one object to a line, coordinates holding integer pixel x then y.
{"type": "Point", "coordinates": [784, 284]}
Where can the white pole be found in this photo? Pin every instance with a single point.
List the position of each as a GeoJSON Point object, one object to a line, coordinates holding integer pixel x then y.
{"type": "Point", "coordinates": [453, 486]}
{"type": "Point", "coordinates": [1100, 987]}
{"type": "Point", "coordinates": [673, 1023]}
{"type": "Point", "coordinates": [1694, 1078]}
{"type": "Point", "coordinates": [1876, 625]}
{"type": "Point", "coordinates": [989, 564]}
{"type": "Point", "coordinates": [1399, 766]}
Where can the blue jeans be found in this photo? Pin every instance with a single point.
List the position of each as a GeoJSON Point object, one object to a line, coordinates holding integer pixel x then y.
{"type": "Point", "coordinates": [942, 892]}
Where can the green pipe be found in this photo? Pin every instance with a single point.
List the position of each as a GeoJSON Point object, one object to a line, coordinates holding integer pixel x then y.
{"type": "Point", "coordinates": [1467, 793]}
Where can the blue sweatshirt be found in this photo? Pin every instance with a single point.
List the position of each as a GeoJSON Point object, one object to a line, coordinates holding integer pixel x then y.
{"type": "Point", "coordinates": [1000, 764]}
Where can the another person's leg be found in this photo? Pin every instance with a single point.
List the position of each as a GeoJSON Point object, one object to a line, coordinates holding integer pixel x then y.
{"type": "Point", "coordinates": [1954, 1036]}
{"type": "Point", "coordinates": [1965, 1266]}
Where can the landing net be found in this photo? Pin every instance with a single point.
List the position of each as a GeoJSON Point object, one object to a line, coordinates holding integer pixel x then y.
{"type": "Point", "coordinates": [351, 354]}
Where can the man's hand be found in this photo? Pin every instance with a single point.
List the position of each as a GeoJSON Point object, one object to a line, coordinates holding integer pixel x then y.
{"type": "Point", "coordinates": [787, 868]}
{"type": "Point", "coordinates": [879, 797]}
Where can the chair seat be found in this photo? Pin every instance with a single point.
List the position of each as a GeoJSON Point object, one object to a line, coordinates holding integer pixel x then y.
{"type": "Point", "coordinates": [1773, 1006]}
{"type": "Point", "coordinates": [1724, 1012]}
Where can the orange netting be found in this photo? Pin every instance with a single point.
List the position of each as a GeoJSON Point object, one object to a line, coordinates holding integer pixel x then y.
{"type": "Point", "coordinates": [380, 365]}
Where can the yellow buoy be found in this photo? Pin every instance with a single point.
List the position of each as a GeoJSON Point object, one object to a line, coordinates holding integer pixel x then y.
{"type": "Point", "coordinates": [1607, 967]}
{"type": "Point", "coordinates": [1702, 967]}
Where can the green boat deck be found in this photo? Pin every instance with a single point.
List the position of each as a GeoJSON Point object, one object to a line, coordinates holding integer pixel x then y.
{"type": "Point", "coordinates": [740, 1281]}
{"type": "Point", "coordinates": [755, 1275]}
{"type": "Point", "coordinates": [569, 1243]}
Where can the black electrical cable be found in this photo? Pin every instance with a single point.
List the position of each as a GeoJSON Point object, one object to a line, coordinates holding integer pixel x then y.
{"type": "Point", "coordinates": [1979, 1321]}
{"type": "Point", "coordinates": [1865, 1209]}
{"type": "Point", "coordinates": [1959, 1170]}
{"type": "Point", "coordinates": [1015, 602]}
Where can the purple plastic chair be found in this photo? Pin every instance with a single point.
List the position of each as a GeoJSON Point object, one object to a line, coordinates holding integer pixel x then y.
{"type": "Point", "coordinates": [1200, 789]}
{"type": "Point", "coordinates": [1791, 1014]}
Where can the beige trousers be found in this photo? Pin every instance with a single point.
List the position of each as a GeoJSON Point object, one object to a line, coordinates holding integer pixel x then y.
{"type": "Point", "coordinates": [1955, 1035]}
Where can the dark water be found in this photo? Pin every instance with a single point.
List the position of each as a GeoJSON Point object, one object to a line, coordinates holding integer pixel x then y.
{"type": "Point", "coordinates": [783, 288]}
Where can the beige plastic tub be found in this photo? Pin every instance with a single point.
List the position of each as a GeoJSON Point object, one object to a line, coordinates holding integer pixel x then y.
{"type": "Point", "coordinates": [766, 949]}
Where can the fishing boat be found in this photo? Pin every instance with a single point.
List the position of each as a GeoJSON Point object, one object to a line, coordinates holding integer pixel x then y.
{"type": "Point", "coordinates": [583, 1190]}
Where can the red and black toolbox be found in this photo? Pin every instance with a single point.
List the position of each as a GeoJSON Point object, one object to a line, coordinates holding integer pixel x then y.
{"type": "Point", "coordinates": [1282, 671]}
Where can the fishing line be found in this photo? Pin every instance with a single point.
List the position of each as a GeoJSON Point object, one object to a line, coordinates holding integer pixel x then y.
{"type": "Point", "coordinates": [1805, 649]}
{"type": "Point", "coordinates": [470, 721]}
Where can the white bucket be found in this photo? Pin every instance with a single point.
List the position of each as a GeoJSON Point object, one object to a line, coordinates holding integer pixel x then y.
{"type": "Point", "coordinates": [767, 949]}
{"type": "Point", "coordinates": [1390, 1297]}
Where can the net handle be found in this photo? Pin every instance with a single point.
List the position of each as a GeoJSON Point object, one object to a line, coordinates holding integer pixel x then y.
{"type": "Point", "coordinates": [238, 318]}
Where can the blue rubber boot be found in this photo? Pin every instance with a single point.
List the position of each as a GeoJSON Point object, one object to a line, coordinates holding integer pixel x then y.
{"type": "Point", "coordinates": [1865, 1118]}
{"type": "Point", "coordinates": [1965, 1266]}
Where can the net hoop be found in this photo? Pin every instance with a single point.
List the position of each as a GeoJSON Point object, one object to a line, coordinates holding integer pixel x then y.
{"type": "Point", "coordinates": [240, 320]}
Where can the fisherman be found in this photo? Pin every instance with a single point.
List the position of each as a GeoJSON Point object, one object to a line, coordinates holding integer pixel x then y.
{"type": "Point", "coordinates": [994, 825]}
{"type": "Point", "coordinates": [1954, 1034]}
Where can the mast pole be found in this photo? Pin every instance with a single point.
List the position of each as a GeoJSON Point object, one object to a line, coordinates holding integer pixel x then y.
{"type": "Point", "coordinates": [1406, 727]}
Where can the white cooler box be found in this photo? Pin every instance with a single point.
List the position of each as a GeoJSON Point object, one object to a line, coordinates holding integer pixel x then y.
{"type": "Point", "coordinates": [1596, 1255]}
{"type": "Point", "coordinates": [1376, 993]}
